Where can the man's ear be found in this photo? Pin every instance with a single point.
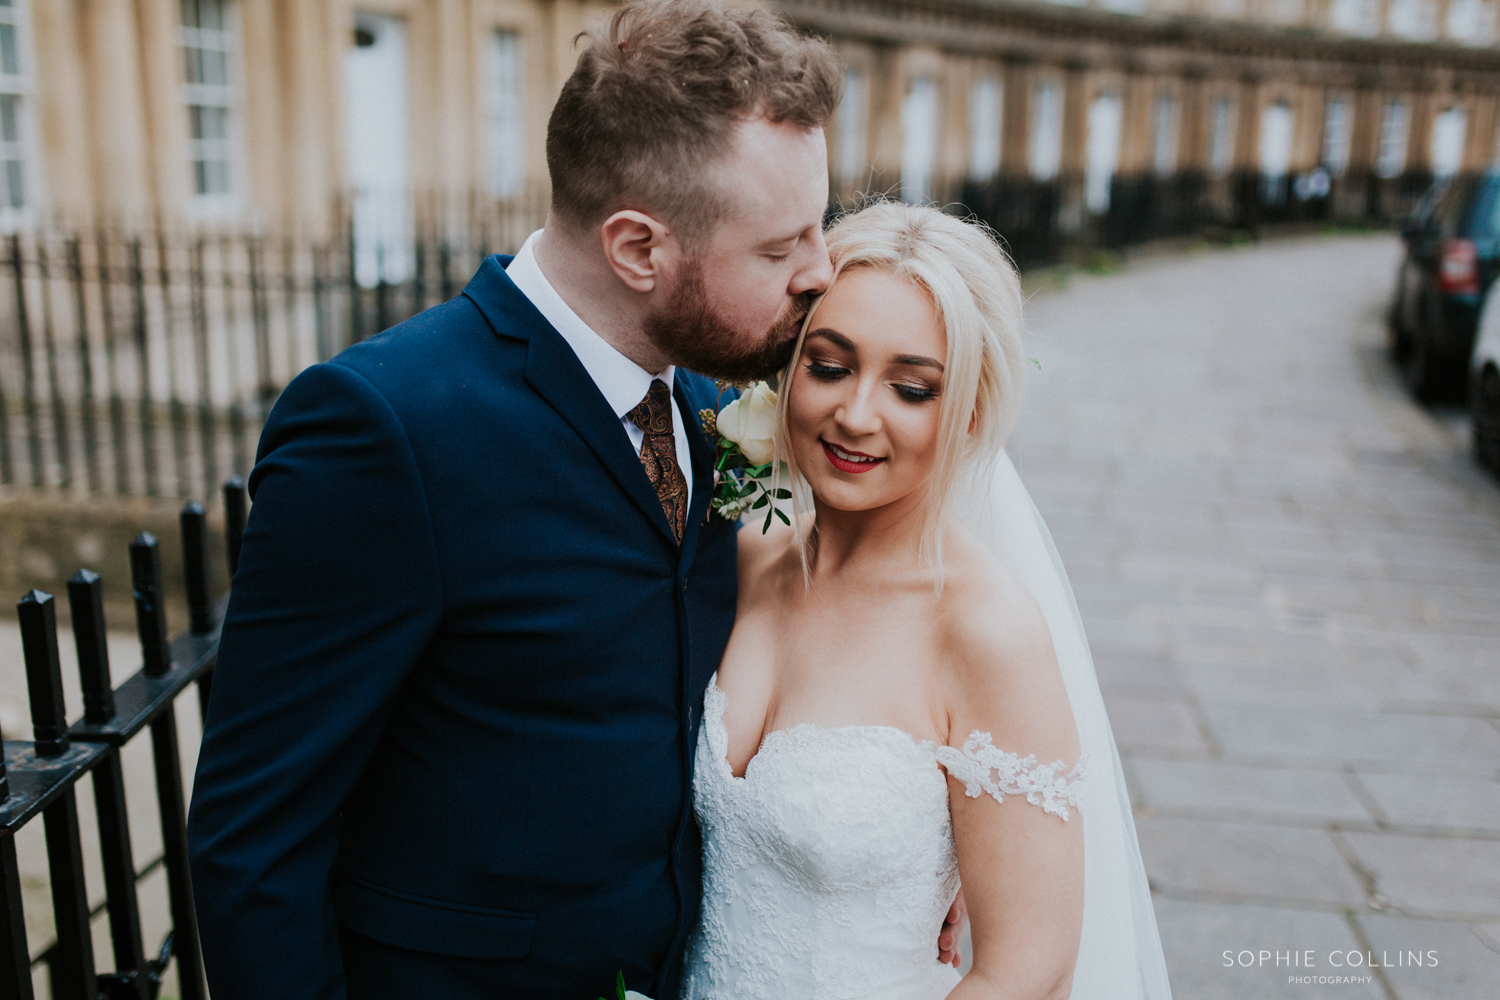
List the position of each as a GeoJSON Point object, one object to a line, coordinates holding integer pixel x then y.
{"type": "Point", "coordinates": [634, 244]}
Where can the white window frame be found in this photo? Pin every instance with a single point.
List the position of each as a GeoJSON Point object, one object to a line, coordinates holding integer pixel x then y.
{"type": "Point", "coordinates": [851, 128]}
{"type": "Point", "coordinates": [1355, 17]}
{"type": "Point", "coordinates": [22, 150]}
{"type": "Point", "coordinates": [921, 118]}
{"type": "Point", "coordinates": [506, 97]}
{"type": "Point", "coordinates": [1045, 146]}
{"type": "Point", "coordinates": [1470, 22]}
{"type": "Point", "coordinates": [223, 97]}
{"type": "Point", "coordinates": [1221, 135]}
{"type": "Point", "coordinates": [1412, 19]}
{"type": "Point", "coordinates": [1164, 129]}
{"type": "Point", "coordinates": [1337, 133]}
{"type": "Point", "coordinates": [986, 125]}
{"type": "Point", "coordinates": [1278, 131]}
{"type": "Point", "coordinates": [1449, 135]}
{"type": "Point", "coordinates": [1395, 128]}
{"type": "Point", "coordinates": [1105, 124]}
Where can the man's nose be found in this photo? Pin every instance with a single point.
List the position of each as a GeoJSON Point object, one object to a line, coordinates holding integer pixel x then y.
{"type": "Point", "coordinates": [813, 276]}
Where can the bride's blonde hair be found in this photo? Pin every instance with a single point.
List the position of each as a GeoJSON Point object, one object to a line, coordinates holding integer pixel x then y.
{"type": "Point", "coordinates": [977, 294]}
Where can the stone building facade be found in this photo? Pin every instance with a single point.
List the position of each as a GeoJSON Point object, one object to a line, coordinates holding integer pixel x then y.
{"type": "Point", "coordinates": [276, 113]}
{"type": "Point", "coordinates": [1294, 99]}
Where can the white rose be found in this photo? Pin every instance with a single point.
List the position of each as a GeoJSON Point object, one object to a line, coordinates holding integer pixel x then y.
{"type": "Point", "coordinates": [633, 995]}
{"type": "Point", "coordinates": [750, 422]}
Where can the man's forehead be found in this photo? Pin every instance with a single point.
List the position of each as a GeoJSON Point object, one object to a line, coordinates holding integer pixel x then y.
{"type": "Point", "coordinates": [775, 180]}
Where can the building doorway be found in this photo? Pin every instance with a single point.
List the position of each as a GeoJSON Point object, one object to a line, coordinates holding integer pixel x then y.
{"type": "Point", "coordinates": [379, 157]}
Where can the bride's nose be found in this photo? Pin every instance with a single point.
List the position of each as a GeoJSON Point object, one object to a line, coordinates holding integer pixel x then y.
{"type": "Point", "coordinates": [858, 415]}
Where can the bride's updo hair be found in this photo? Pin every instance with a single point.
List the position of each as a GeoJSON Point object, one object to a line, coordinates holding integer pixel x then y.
{"type": "Point", "coordinates": [977, 294]}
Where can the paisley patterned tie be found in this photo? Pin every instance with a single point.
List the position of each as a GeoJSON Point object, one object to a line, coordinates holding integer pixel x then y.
{"type": "Point", "coordinates": [653, 415]}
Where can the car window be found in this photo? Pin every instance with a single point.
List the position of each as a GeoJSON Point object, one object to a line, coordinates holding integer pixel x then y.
{"type": "Point", "coordinates": [1450, 214]}
{"type": "Point", "coordinates": [1422, 213]}
{"type": "Point", "coordinates": [1483, 222]}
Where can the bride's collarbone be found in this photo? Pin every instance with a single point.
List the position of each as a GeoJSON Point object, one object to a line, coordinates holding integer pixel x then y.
{"type": "Point", "coordinates": [829, 693]}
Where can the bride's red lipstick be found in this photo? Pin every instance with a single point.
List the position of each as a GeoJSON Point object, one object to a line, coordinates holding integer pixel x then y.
{"type": "Point", "coordinates": [862, 463]}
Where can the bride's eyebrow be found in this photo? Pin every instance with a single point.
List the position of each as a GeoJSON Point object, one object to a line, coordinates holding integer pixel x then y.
{"type": "Point", "coordinates": [916, 360]}
{"type": "Point", "coordinates": [835, 338]}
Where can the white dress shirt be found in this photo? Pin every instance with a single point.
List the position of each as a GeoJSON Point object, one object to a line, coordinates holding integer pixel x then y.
{"type": "Point", "coordinates": [622, 382]}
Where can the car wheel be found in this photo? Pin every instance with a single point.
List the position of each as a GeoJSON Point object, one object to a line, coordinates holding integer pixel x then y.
{"type": "Point", "coordinates": [1419, 371]}
{"type": "Point", "coordinates": [1429, 375]}
{"type": "Point", "coordinates": [1398, 332]}
{"type": "Point", "coordinates": [1487, 419]}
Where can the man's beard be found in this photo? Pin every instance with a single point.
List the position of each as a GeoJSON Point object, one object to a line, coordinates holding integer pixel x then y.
{"type": "Point", "coordinates": [694, 336]}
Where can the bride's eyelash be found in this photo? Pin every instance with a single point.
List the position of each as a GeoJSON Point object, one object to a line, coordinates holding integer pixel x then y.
{"type": "Point", "coordinates": [915, 393]}
{"type": "Point", "coordinates": [823, 372]}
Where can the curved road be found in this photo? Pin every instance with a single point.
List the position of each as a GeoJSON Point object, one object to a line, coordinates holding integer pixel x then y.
{"type": "Point", "coordinates": [1291, 579]}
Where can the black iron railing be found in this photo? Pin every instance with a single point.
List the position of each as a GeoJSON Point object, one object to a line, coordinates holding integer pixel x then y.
{"type": "Point", "coordinates": [1042, 220]}
{"type": "Point", "coordinates": [143, 362]}
{"type": "Point", "coordinates": [39, 777]}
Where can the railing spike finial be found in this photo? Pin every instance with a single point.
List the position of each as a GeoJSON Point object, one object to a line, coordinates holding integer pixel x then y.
{"type": "Point", "coordinates": [86, 602]}
{"type": "Point", "coordinates": [195, 567]}
{"type": "Point", "coordinates": [150, 610]}
{"type": "Point", "coordinates": [49, 723]}
{"type": "Point", "coordinates": [234, 520]}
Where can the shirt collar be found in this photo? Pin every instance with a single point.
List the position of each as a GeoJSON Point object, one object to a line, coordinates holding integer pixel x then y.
{"type": "Point", "coordinates": [622, 382]}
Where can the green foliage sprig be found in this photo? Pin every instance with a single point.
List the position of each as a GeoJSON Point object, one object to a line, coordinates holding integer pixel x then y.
{"type": "Point", "coordinates": [740, 485]}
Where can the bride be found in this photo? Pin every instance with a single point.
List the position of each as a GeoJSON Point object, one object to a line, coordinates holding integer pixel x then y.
{"type": "Point", "coordinates": [907, 701]}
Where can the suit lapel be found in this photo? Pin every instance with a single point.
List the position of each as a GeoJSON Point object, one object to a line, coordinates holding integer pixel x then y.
{"type": "Point", "coordinates": [554, 371]}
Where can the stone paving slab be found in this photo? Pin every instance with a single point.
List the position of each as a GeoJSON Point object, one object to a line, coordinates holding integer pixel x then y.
{"type": "Point", "coordinates": [1155, 724]}
{"type": "Point", "coordinates": [1211, 787]}
{"type": "Point", "coordinates": [1433, 874]}
{"type": "Point", "coordinates": [1413, 740]}
{"type": "Point", "coordinates": [1263, 943]}
{"type": "Point", "coordinates": [1451, 802]}
{"type": "Point", "coordinates": [1251, 861]}
{"type": "Point", "coordinates": [1468, 957]}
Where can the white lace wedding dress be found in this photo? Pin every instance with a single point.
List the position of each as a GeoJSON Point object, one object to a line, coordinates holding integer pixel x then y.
{"type": "Point", "coordinates": [829, 866]}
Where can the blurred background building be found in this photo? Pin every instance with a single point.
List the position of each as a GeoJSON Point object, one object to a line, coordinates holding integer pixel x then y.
{"type": "Point", "coordinates": [201, 197]}
{"type": "Point", "coordinates": [290, 115]}
{"type": "Point", "coordinates": [274, 113]}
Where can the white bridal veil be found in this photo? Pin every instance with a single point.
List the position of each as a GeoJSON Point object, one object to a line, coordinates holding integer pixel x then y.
{"type": "Point", "coordinates": [1119, 955]}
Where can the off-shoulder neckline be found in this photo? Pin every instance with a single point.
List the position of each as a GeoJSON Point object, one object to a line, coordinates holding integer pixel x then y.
{"type": "Point", "coordinates": [719, 733]}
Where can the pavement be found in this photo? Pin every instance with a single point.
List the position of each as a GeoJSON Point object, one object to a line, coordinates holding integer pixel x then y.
{"type": "Point", "coordinates": [1290, 577]}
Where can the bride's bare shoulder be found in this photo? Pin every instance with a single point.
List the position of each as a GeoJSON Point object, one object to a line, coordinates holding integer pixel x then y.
{"type": "Point", "coordinates": [995, 639]}
{"type": "Point", "coordinates": [762, 554]}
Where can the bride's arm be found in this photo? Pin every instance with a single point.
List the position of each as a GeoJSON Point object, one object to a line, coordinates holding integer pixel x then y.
{"type": "Point", "coordinates": [1020, 861]}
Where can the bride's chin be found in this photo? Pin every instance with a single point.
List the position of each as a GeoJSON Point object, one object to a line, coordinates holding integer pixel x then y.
{"type": "Point", "coordinates": [848, 498]}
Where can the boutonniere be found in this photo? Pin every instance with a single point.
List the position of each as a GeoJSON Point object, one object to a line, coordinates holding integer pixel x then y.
{"type": "Point", "coordinates": [745, 472]}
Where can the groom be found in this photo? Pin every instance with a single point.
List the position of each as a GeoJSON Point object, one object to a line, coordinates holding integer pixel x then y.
{"type": "Point", "coordinates": [449, 748]}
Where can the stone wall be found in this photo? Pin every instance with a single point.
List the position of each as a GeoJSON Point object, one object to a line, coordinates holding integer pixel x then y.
{"type": "Point", "coordinates": [46, 539]}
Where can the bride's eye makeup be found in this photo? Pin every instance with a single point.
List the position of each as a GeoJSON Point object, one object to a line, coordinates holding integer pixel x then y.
{"type": "Point", "coordinates": [823, 371]}
{"type": "Point", "coordinates": [915, 393]}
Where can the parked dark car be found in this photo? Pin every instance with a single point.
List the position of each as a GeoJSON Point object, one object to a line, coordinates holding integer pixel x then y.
{"type": "Point", "coordinates": [1484, 388]}
{"type": "Point", "coordinates": [1452, 257]}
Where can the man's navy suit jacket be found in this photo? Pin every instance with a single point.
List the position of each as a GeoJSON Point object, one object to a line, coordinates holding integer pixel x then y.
{"type": "Point", "coordinates": [451, 733]}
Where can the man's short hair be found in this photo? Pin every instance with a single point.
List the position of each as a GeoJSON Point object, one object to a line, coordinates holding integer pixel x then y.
{"type": "Point", "coordinates": [653, 103]}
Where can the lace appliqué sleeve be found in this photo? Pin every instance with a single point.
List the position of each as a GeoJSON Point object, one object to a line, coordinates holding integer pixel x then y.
{"type": "Point", "coordinates": [983, 767]}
